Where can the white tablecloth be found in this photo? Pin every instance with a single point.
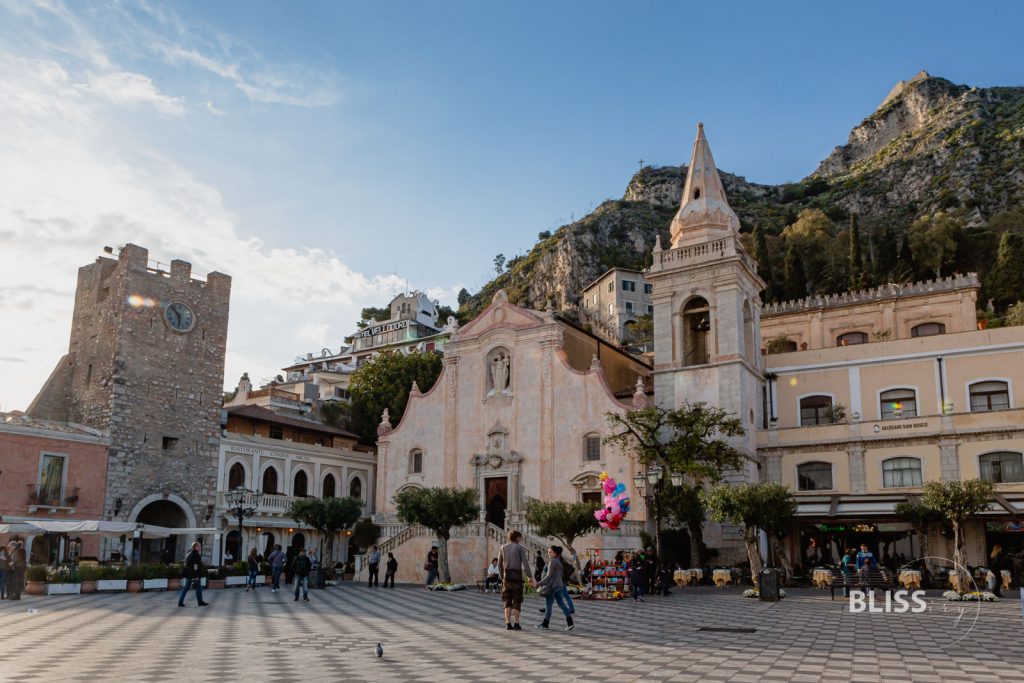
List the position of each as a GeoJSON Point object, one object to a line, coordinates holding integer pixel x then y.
{"type": "Point", "coordinates": [821, 578]}
{"type": "Point", "coordinates": [910, 578]}
{"type": "Point", "coordinates": [722, 577]}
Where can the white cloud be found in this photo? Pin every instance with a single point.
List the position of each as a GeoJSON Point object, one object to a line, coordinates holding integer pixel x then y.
{"type": "Point", "coordinates": [67, 189]}
{"type": "Point", "coordinates": [126, 88]}
{"type": "Point", "coordinates": [212, 108]}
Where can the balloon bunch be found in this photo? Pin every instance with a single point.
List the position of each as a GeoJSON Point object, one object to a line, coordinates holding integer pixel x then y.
{"type": "Point", "coordinates": [616, 503]}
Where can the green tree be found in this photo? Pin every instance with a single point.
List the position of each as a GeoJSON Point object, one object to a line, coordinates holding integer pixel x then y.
{"type": "Point", "coordinates": [764, 262]}
{"type": "Point", "coordinates": [794, 280]}
{"type": "Point", "coordinates": [561, 520]}
{"type": "Point", "coordinates": [463, 297]}
{"type": "Point", "coordinates": [768, 507]}
{"type": "Point", "coordinates": [934, 240]}
{"type": "Point", "coordinates": [811, 238]}
{"type": "Point", "coordinates": [443, 313]}
{"type": "Point", "coordinates": [326, 515]}
{"type": "Point", "coordinates": [1001, 221]}
{"type": "Point", "coordinates": [374, 313]}
{"type": "Point", "coordinates": [922, 518]}
{"type": "Point", "coordinates": [499, 264]}
{"type": "Point", "coordinates": [689, 441]}
{"type": "Point", "coordinates": [1015, 314]}
{"type": "Point", "coordinates": [856, 260]}
{"type": "Point", "coordinates": [440, 510]}
{"type": "Point", "coordinates": [642, 330]}
{"type": "Point", "coordinates": [336, 413]}
{"type": "Point", "coordinates": [886, 251]}
{"type": "Point", "coordinates": [958, 501]}
{"type": "Point", "coordinates": [365, 533]}
{"type": "Point", "coordinates": [384, 382]}
{"type": "Point", "coordinates": [684, 508]}
{"type": "Point", "coordinates": [1005, 282]}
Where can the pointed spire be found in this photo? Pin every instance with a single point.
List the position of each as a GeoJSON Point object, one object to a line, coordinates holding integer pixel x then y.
{"type": "Point", "coordinates": [704, 206]}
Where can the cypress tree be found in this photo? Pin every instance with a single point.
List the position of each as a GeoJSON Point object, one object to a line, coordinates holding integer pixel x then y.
{"type": "Point", "coordinates": [1005, 282]}
{"type": "Point", "coordinates": [856, 262]}
{"type": "Point", "coordinates": [764, 262]}
{"type": "Point", "coordinates": [906, 258]}
{"type": "Point", "coordinates": [795, 281]}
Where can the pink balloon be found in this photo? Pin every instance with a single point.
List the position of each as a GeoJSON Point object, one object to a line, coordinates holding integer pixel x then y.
{"type": "Point", "coordinates": [614, 508]}
{"type": "Point", "coordinates": [609, 485]}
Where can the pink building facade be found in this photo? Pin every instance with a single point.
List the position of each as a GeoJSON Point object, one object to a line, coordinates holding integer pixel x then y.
{"type": "Point", "coordinates": [52, 471]}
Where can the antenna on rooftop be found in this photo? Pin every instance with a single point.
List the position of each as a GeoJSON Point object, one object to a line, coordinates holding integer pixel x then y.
{"type": "Point", "coordinates": [641, 162]}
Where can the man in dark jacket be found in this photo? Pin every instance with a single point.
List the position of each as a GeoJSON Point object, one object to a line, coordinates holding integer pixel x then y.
{"type": "Point", "coordinates": [301, 566]}
{"type": "Point", "coordinates": [391, 568]}
{"type": "Point", "coordinates": [192, 572]}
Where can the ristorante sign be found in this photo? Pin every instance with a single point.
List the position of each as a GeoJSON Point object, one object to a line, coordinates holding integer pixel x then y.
{"type": "Point", "coordinates": [381, 329]}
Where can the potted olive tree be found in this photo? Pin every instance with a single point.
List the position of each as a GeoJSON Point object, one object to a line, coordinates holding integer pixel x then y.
{"type": "Point", "coordinates": [216, 577]}
{"type": "Point", "coordinates": [35, 580]}
{"type": "Point", "coordinates": [88, 574]}
{"type": "Point", "coordinates": [135, 574]}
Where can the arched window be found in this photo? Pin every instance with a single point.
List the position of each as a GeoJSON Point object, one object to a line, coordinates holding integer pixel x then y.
{"type": "Point", "coordinates": [300, 485]}
{"type": "Point", "coordinates": [815, 410]}
{"type": "Point", "coordinates": [1002, 467]}
{"type": "Point", "coordinates": [814, 476]}
{"type": "Point", "coordinates": [696, 329]}
{"type": "Point", "coordinates": [986, 396]}
{"type": "Point", "coordinates": [898, 472]}
{"type": "Point", "coordinates": [236, 476]}
{"type": "Point", "coordinates": [852, 338]}
{"type": "Point", "coordinates": [270, 480]}
{"type": "Point", "coordinates": [896, 403]}
{"type": "Point", "coordinates": [355, 488]}
{"type": "Point", "coordinates": [927, 329]}
{"type": "Point", "coordinates": [416, 461]}
{"type": "Point", "coordinates": [592, 448]}
{"type": "Point", "coordinates": [328, 486]}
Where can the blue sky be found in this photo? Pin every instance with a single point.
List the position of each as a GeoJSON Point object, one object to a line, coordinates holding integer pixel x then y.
{"type": "Point", "coordinates": [311, 150]}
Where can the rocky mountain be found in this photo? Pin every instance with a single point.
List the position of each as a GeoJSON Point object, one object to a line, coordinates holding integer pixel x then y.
{"type": "Point", "coordinates": [931, 146]}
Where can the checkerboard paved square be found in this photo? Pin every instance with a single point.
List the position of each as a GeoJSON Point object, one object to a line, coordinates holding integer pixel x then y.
{"type": "Point", "coordinates": [454, 637]}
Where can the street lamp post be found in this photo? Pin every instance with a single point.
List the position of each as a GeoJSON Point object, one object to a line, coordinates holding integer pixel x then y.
{"type": "Point", "coordinates": [243, 503]}
{"type": "Point", "coordinates": [653, 479]}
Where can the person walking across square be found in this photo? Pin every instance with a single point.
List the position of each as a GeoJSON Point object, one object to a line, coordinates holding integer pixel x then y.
{"type": "Point", "coordinates": [276, 560]}
{"type": "Point", "coordinates": [513, 562]}
{"type": "Point", "coordinates": [253, 567]}
{"type": "Point", "coordinates": [301, 566]}
{"type": "Point", "coordinates": [192, 572]}
{"type": "Point", "coordinates": [550, 586]}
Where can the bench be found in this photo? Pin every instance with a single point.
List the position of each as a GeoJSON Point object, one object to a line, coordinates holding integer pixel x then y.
{"type": "Point", "coordinates": [481, 585]}
{"type": "Point", "coordinates": [864, 580]}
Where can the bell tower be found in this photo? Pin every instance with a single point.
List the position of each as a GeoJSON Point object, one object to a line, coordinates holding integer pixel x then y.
{"type": "Point", "coordinates": [707, 308]}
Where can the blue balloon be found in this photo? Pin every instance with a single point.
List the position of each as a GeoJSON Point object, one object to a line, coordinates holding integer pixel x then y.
{"type": "Point", "coordinates": [619, 489]}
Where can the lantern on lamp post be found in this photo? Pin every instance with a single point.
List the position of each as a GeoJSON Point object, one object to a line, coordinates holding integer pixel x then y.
{"type": "Point", "coordinates": [243, 503]}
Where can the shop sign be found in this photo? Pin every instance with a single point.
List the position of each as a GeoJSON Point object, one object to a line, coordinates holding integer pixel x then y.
{"type": "Point", "coordinates": [381, 329]}
{"type": "Point", "coordinates": [831, 527]}
{"type": "Point", "coordinates": [898, 426]}
{"type": "Point", "coordinates": [1006, 527]}
{"type": "Point", "coordinates": [863, 528]}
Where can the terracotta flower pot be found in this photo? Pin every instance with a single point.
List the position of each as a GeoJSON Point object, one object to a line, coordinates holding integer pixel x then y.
{"type": "Point", "coordinates": [88, 586]}
{"type": "Point", "coordinates": [135, 586]}
{"type": "Point", "coordinates": [35, 587]}
{"type": "Point", "coordinates": [982, 324]}
{"type": "Point", "coordinates": [215, 583]}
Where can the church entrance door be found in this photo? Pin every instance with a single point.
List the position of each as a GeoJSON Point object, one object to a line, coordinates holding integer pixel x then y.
{"type": "Point", "coordinates": [497, 499]}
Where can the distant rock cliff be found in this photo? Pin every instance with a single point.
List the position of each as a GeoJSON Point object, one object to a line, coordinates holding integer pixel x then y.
{"type": "Point", "coordinates": [930, 146]}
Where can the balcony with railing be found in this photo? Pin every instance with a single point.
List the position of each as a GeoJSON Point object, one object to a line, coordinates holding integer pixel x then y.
{"type": "Point", "coordinates": [266, 504]}
{"type": "Point", "coordinates": [50, 497]}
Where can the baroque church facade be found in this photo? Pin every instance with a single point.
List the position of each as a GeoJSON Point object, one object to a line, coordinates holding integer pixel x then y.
{"type": "Point", "coordinates": [520, 409]}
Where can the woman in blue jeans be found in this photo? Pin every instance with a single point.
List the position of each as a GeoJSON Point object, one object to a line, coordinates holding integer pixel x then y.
{"type": "Point", "coordinates": [550, 586]}
{"type": "Point", "coordinates": [253, 562]}
{"type": "Point", "coordinates": [5, 565]}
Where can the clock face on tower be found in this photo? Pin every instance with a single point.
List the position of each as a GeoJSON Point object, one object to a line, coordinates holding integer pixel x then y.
{"type": "Point", "coordinates": [179, 316]}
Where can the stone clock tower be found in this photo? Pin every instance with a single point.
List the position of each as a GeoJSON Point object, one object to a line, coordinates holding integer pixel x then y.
{"type": "Point", "coordinates": [146, 363]}
{"type": "Point", "coordinates": [707, 308]}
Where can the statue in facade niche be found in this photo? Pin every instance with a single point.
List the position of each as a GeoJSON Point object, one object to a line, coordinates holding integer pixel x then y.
{"type": "Point", "coordinates": [500, 372]}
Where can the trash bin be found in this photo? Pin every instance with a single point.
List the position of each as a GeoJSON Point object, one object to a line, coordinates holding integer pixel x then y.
{"type": "Point", "coordinates": [768, 584]}
{"type": "Point", "coordinates": [316, 578]}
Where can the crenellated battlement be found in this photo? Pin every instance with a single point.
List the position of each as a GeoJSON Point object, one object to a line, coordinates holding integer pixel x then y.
{"type": "Point", "coordinates": [881, 293]}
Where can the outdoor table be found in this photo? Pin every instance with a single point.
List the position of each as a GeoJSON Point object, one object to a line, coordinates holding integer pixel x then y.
{"type": "Point", "coordinates": [1006, 579]}
{"type": "Point", "coordinates": [686, 577]}
{"type": "Point", "coordinates": [722, 577]}
{"type": "Point", "coordinates": [821, 578]}
{"type": "Point", "coordinates": [910, 578]}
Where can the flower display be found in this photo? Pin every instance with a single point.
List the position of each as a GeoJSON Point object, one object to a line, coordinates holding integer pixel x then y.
{"type": "Point", "coordinates": [447, 587]}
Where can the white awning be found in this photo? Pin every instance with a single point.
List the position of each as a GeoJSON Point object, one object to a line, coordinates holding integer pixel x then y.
{"type": "Point", "coordinates": [27, 525]}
